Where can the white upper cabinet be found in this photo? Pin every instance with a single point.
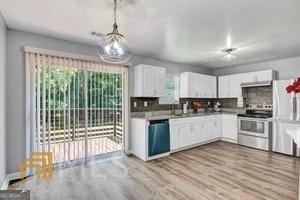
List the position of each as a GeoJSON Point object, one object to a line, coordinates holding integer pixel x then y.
{"type": "Point", "coordinates": [230, 86]}
{"type": "Point", "coordinates": [235, 81]}
{"type": "Point", "coordinates": [159, 75]}
{"type": "Point", "coordinates": [149, 81]}
{"type": "Point", "coordinates": [193, 85]}
{"type": "Point", "coordinates": [223, 86]}
{"type": "Point", "coordinates": [210, 87]}
{"type": "Point", "coordinates": [248, 77]}
{"type": "Point", "coordinates": [266, 75]}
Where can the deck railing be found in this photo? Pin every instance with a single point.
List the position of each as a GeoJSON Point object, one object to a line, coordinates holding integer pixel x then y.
{"type": "Point", "coordinates": [62, 123]}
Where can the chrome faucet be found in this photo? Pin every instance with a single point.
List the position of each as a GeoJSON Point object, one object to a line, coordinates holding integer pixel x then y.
{"type": "Point", "coordinates": [172, 108]}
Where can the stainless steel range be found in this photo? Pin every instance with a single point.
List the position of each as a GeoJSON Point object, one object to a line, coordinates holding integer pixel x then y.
{"type": "Point", "coordinates": [253, 128]}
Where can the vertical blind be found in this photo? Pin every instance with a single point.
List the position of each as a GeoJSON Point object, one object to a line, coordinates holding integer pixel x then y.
{"type": "Point", "coordinates": [76, 106]}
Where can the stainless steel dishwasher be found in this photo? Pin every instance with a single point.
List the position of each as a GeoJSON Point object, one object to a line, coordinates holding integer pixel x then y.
{"type": "Point", "coordinates": [159, 137]}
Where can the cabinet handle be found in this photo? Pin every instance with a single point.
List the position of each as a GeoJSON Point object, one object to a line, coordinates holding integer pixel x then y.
{"type": "Point", "coordinates": [154, 92]}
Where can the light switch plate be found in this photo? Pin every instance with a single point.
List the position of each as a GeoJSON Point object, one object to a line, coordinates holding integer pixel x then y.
{"type": "Point", "coordinates": [134, 104]}
{"type": "Point", "coordinates": [145, 103]}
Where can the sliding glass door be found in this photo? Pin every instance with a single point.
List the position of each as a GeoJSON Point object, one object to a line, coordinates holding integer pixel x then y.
{"type": "Point", "coordinates": [79, 111]}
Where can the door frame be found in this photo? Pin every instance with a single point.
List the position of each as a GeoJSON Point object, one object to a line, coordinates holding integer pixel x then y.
{"type": "Point", "coordinates": [30, 124]}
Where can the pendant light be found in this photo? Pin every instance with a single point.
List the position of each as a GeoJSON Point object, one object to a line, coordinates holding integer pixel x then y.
{"type": "Point", "coordinates": [113, 47]}
{"type": "Point", "coordinates": [229, 56]}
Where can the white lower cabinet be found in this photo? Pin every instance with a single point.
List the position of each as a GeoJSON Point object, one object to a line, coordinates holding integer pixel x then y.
{"type": "Point", "coordinates": [197, 130]}
{"type": "Point", "coordinates": [229, 127]}
{"type": "Point", "coordinates": [213, 130]}
{"type": "Point", "coordinates": [174, 138]}
{"type": "Point", "coordinates": [185, 136]}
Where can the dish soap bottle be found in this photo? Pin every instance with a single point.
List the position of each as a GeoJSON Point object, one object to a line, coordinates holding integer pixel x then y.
{"type": "Point", "coordinates": [185, 105]}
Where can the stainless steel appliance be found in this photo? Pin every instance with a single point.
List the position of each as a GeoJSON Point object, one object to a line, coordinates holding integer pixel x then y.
{"type": "Point", "coordinates": [282, 142]}
{"type": "Point", "coordinates": [159, 137]}
{"type": "Point", "coordinates": [253, 128]}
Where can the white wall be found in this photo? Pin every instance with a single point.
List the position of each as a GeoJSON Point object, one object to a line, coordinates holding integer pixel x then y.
{"type": "Point", "coordinates": [2, 98]}
{"type": "Point", "coordinates": [16, 83]}
{"type": "Point", "coordinates": [287, 68]}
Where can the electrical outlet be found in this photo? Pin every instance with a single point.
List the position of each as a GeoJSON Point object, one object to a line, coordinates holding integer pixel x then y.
{"type": "Point", "coordinates": [134, 104]}
{"type": "Point", "coordinates": [145, 103]}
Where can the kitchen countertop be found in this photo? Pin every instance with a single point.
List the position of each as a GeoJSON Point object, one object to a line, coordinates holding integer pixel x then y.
{"type": "Point", "coordinates": [169, 116]}
{"type": "Point", "coordinates": [284, 120]}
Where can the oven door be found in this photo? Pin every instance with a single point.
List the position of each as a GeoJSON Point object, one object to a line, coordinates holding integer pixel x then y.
{"type": "Point", "coordinates": [253, 126]}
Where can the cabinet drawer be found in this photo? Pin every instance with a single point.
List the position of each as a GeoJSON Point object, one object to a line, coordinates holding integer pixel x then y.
{"type": "Point", "coordinates": [212, 117]}
{"type": "Point", "coordinates": [229, 117]}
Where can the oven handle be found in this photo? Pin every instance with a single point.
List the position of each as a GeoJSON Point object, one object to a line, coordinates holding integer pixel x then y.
{"type": "Point", "coordinates": [252, 119]}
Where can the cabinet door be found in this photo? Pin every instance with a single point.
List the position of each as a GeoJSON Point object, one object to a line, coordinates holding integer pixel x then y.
{"type": "Point", "coordinates": [198, 132]}
{"type": "Point", "coordinates": [148, 81]}
{"type": "Point", "coordinates": [223, 86]}
{"type": "Point", "coordinates": [229, 127]}
{"type": "Point", "coordinates": [248, 77]}
{"type": "Point", "coordinates": [266, 75]}
{"type": "Point", "coordinates": [174, 140]}
{"type": "Point", "coordinates": [159, 82]}
{"type": "Point", "coordinates": [185, 136]}
{"type": "Point", "coordinates": [218, 131]}
{"type": "Point", "coordinates": [188, 84]}
{"type": "Point", "coordinates": [195, 85]}
{"type": "Point", "coordinates": [184, 85]}
{"type": "Point", "coordinates": [203, 83]}
{"type": "Point", "coordinates": [210, 130]}
{"type": "Point", "coordinates": [235, 85]}
{"type": "Point", "coordinates": [212, 87]}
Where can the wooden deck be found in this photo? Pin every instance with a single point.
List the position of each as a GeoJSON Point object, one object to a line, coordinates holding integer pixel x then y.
{"type": "Point", "coordinates": [64, 151]}
{"type": "Point", "coordinates": [218, 170]}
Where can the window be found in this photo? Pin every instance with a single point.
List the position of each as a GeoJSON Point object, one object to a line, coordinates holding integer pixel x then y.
{"type": "Point", "coordinates": [171, 90]}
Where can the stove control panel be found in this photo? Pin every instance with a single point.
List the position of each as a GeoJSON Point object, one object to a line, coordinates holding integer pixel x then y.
{"type": "Point", "coordinates": [259, 107]}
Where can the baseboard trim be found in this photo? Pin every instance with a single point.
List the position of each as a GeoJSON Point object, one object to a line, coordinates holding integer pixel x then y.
{"type": "Point", "coordinates": [194, 145]}
{"type": "Point", "coordinates": [228, 140]}
{"type": "Point", "coordinates": [158, 156]}
{"type": "Point", "coordinates": [8, 178]}
{"type": "Point", "coordinates": [129, 151]}
{"type": "Point", "coordinates": [5, 183]}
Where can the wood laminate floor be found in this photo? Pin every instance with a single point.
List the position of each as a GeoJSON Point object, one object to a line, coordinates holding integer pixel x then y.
{"type": "Point", "coordinates": [218, 170]}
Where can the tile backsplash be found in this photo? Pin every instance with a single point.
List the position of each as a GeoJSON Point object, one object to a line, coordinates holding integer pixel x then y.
{"type": "Point", "coordinates": [252, 95]}
{"type": "Point", "coordinates": [258, 95]}
{"type": "Point", "coordinates": [153, 103]}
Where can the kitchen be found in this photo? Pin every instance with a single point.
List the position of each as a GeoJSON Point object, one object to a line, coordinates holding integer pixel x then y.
{"type": "Point", "coordinates": [204, 109]}
{"type": "Point", "coordinates": [245, 123]}
{"type": "Point", "coordinates": [132, 99]}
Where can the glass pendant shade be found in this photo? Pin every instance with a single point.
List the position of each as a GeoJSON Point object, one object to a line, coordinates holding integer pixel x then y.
{"type": "Point", "coordinates": [229, 57]}
{"type": "Point", "coordinates": [113, 48]}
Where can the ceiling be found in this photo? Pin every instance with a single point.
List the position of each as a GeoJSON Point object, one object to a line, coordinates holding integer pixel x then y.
{"type": "Point", "coordinates": [190, 32]}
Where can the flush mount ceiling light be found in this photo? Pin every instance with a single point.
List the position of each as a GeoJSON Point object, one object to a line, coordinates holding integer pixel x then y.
{"type": "Point", "coordinates": [113, 47]}
{"type": "Point", "coordinates": [229, 57]}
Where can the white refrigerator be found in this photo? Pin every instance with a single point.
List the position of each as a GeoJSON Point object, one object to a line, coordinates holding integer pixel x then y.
{"type": "Point", "coordinates": [282, 142]}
